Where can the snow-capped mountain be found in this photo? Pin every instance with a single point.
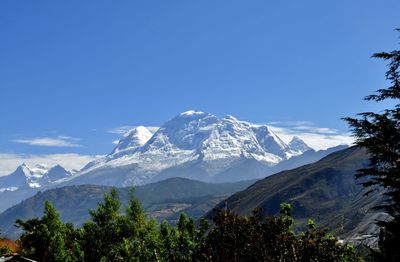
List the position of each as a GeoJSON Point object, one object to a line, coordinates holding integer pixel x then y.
{"type": "Point", "coordinates": [25, 177]}
{"type": "Point", "coordinates": [132, 140]}
{"type": "Point", "coordinates": [194, 144]}
{"type": "Point", "coordinates": [296, 144]}
{"type": "Point", "coordinates": [57, 172]}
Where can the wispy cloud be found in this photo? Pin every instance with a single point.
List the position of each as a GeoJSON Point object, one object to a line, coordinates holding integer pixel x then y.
{"type": "Point", "coordinates": [9, 161]}
{"type": "Point", "coordinates": [120, 130]}
{"type": "Point", "coordinates": [290, 123]}
{"type": "Point", "coordinates": [59, 141]}
{"type": "Point", "coordinates": [317, 130]}
{"type": "Point", "coordinates": [315, 136]}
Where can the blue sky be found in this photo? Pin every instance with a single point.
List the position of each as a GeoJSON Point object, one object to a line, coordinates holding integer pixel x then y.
{"type": "Point", "coordinates": [71, 71]}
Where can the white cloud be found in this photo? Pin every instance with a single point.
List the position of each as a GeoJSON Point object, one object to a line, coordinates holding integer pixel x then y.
{"type": "Point", "coordinates": [316, 137]}
{"type": "Point", "coordinates": [317, 130]}
{"type": "Point", "coordinates": [59, 141]}
{"type": "Point", "coordinates": [9, 162]}
{"type": "Point", "coordinates": [290, 123]}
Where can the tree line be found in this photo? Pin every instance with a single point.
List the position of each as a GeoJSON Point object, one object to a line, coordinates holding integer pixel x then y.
{"type": "Point", "coordinates": [111, 235]}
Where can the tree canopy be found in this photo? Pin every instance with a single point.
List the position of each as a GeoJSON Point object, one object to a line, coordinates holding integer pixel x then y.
{"type": "Point", "coordinates": [111, 235]}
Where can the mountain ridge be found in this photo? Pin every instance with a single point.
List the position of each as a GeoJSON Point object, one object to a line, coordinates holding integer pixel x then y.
{"type": "Point", "coordinates": [32, 177]}
{"type": "Point", "coordinates": [325, 191]}
{"type": "Point", "coordinates": [160, 199]}
{"type": "Point", "coordinates": [209, 145]}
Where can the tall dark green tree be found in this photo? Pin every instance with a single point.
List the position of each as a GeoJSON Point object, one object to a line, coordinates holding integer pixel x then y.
{"type": "Point", "coordinates": [100, 235]}
{"type": "Point", "coordinates": [46, 238]}
{"type": "Point", "coordinates": [140, 240]}
{"type": "Point", "coordinates": [379, 134]}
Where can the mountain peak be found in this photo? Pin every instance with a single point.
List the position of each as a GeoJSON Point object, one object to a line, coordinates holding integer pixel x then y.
{"type": "Point", "coordinates": [188, 118]}
{"type": "Point", "coordinates": [139, 129]}
{"type": "Point", "coordinates": [133, 139]}
{"type": "Point", "coordinates": [297, 144]}
{"type": "Point", "coordinates": [232, 118]}
{"type": "Point", "coordinates": [57, 167]}
{"type": "Point", "coordinates": [24, 168]}
{"type": "Point", "coordinates": [35, 177]}
{"type": "Point", "coordinates": [39, 169]}
{"type": "Point", "coordinates": [193, 138]}
{"type": "Point", "coordinates": [17, 179]}
{"type": "Point", "coordinates": [57, 172]}
{"type": "Point", "coordinates": [296, 138]}
{"type": "Point", "coordinates": [41, 166]}
{"type": "Point", "coordinates": [191, 113]}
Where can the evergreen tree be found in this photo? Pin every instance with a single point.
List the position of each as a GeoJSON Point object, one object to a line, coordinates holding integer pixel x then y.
{"type": "Point", "coordinates": [112, 236]}
{"type": "Point", "coordinates": [45, 239]}
{"type": "Point", "coordinates": [379, 133]}
{"type": "Point", "coordinates": [141, 240]}
{"type": "Point", "coordinates": [104, 231]}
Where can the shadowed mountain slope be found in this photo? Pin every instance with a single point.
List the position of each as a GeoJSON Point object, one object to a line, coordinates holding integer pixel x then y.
{"type": "Point", "coordinates": [161, 200]}
{"type": "Point", "coordinates": [325, 191]}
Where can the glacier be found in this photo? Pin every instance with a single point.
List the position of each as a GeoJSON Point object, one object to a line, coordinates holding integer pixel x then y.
{"type": "Point", "coordinates": [196, 143]}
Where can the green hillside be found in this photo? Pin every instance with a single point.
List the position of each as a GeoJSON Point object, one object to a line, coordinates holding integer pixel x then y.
{"type": "Point", "coordinates": [325, 191]}
{"type": "Point", "coordinates": [162, 200]}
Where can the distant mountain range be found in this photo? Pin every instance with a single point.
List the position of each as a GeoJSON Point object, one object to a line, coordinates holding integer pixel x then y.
{"type": "Point", "coordinates": [325, 191]}
{"type": "Point", "coordinates": [25, 177]}
{"type": "Point", "coordinates": [163, 200]}
{"type": "Point", "coordinates": [194, 145]}
{"type": "Point", "coordinates": [25, 181]}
